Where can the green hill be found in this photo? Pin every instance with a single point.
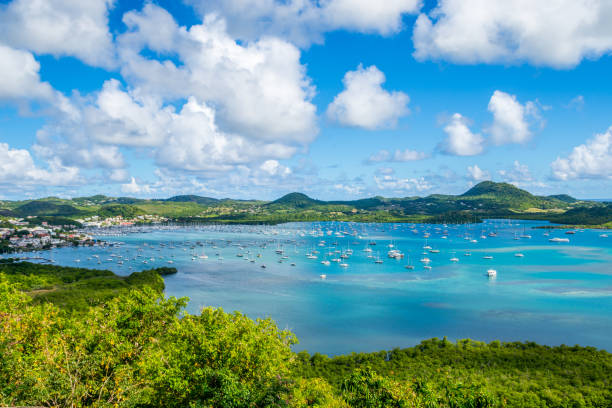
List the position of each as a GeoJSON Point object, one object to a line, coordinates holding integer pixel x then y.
{"type": "Point", "coordinates": [92, 200]}
{"type": "Point", "coordinates": [40, 207]}
{"type": "Point", "coordinates": [486, 199]}
{"type": "Point", "coordinates": [498, 196]}
{"type": "Point", "coordinates": [296, 200]}
{"type": "Point", "coordinates": [193, 199]}
{"type": "Point", "coordinates": [585, 216]}
{"type": "Point", "coordinates": [124, 210]}
{"type": "Point", "coordinates": [498, 190]}
{"type": "Point", "coordinates": [563, 197]}
{"type": "Point", "coordinates": [363, 204]}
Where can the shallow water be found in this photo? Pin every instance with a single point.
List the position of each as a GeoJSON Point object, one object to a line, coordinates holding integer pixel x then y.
{"type": "Point", "coordinates": [558, 293]}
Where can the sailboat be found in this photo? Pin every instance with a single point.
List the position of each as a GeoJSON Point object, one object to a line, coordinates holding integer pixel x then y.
{"type": "Point", "coordinates": [408, 266]}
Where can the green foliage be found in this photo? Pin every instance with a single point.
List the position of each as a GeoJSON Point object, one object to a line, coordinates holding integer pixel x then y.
{"type": "Point", "coordinates": [486, 199]}
{"type": "Point", "coordinates": [193, 199]}
{"type": "Point", "coordinates": [75, 289]}
{"type": "Point", "coordinates": [4, 247]}
{"type": "Point", "coordinates": [123, 210]}
{"type": "Point", "coordinates": [133, 347]}
{"type": "Point", "coordinates": [521, 374]}
{"type": "Point", "coordinates": [497, 189]}
{"type": "Point", "coordinates": [54, 220]}
{"type": "Point", "coordinates": [314, 392]}
{"type": "Point", "coordinates": [138, 350]}
{"type": "Point", "coordinates": [563, 197]}
{"type": "Point", "coordinates": [366, 389]}
{"type": "Point", "coordinates": [42, 207]}
{"type": "Point", "coordinates": [585, 216]}
{"type": "Point", "coordinates": [295, 200]}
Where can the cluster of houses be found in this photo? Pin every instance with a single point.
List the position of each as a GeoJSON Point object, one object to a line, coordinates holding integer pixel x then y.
{"type": "Point", "coordinates": [23, 236]}
{"type": "Point", "coordinates": [96, 221]}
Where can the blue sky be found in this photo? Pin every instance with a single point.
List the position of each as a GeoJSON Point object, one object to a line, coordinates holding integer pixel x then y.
{"type": "Point", "coordinates": [335, 98]}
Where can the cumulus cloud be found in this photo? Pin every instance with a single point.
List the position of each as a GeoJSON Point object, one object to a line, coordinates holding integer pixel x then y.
{"type": "Point", "coordinates": [133, 187]}
{"type": "Point", "coordinates": [259, 89]}
{"type": "Point", "coordinates": [60, 28]}
{"type": "Point", "coordinates": [591, 160]}
{"type": "Point", "coordinates": [475, 173]}
{"type": "Point", "coordinates": [17, 168]}
{"type": "Point", "coordinates": [364, 103]}
{"type": "Point", "coordinates": [398, 156]}
{"type": "Point", "coordinates": [226, 105]}
{"type": "Point", "coordinates": [305, 21]}
{"type": "Point", "coordinates": [518, 174]}
{"type": "Point", "coordinates": [20, 78]}
{"type": "Point", "coordinates": [510, 118]}
{"type": "Point", "coordinates": [349, 189]}
{"type": "Point", "coordinates": [274, 168]}
{"type": "Point", "coordinates": [401, 185]}
{"type": "Point", "coordinates": [559, 33]}
{"type": "Point", "coordinates": [460, 140]}
{"type": "Point", "coordinates": [118, 175]}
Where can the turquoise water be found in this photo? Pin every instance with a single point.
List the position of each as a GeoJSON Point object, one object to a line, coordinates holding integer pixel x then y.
{"type": "Point", "coordinates": [557, 293]}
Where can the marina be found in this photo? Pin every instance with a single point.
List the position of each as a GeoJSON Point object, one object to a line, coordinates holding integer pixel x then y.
{"type": "Point", "coordinates": [327, 281]}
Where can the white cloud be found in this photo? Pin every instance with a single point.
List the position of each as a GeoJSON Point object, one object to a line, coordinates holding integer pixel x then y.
{"type": "Point", "coordinates": [60, 27]}
{"type": "Point", "coordinates": [556, 33]}
{"type": "Point", "coordinates": [274, 168]}
{"type": "Point", "coordinates": [477, 174]}
{"type": "Point", "coordinates": [17, 168]}
{"type": "Point", "coordinates": [245, 103]}
{"type": "Point", "coordinates": [408, 155]}
{"type": "Point", "coordinates": [364, 103]}
{"type": "Point", "coordinates": [460, 140]}
{"type": "Point", "coordinates": [195, 143]}
{"type": "Point", "coordinates": [510, 118]}
{"type": "Point", "coordinates": [401, 185]}
{"type": "Point", "coordinates": [592, 159]}
{"type": "Point", "coordinates": [349, 189]}
{"type": "Point", "coordinates": [399, 156]}
{"type": "Point", "coordinates": [185, 140]}
{"type": "Point", "coordinates": [305, 21]}
{"type": "Point", "coordinates": [118, 175]}
{"type": "Point", "coordinates": [19, 77]}
{"type": "Point", "coordinates": [259, 89]}
{"type": "Point", "coordinates": [133, 187]}
{"type": "Point", "coordinates": [519, 174]}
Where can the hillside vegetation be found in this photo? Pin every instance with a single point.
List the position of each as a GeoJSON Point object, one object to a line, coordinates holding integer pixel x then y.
{"type": "Point", "coordinates": [76, 288]}
{"type": "Point", "coordinates": [132, 347]}
{"type": "Point", "coordinates": [485, 200]}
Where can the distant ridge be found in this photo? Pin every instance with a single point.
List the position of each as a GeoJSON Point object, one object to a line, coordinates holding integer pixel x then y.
{"type": "Point", "coordinates": [486, 199]}
{"type": "Point", "coordinates": [563, 197]}
{"type": "Point", "coordinates": [192, 199]}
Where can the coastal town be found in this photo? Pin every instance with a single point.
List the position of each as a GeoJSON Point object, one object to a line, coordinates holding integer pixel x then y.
{"type": "Point", "coordinates": [30, 234]}
{"type": "Point", "coordinates": [18, 235]}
